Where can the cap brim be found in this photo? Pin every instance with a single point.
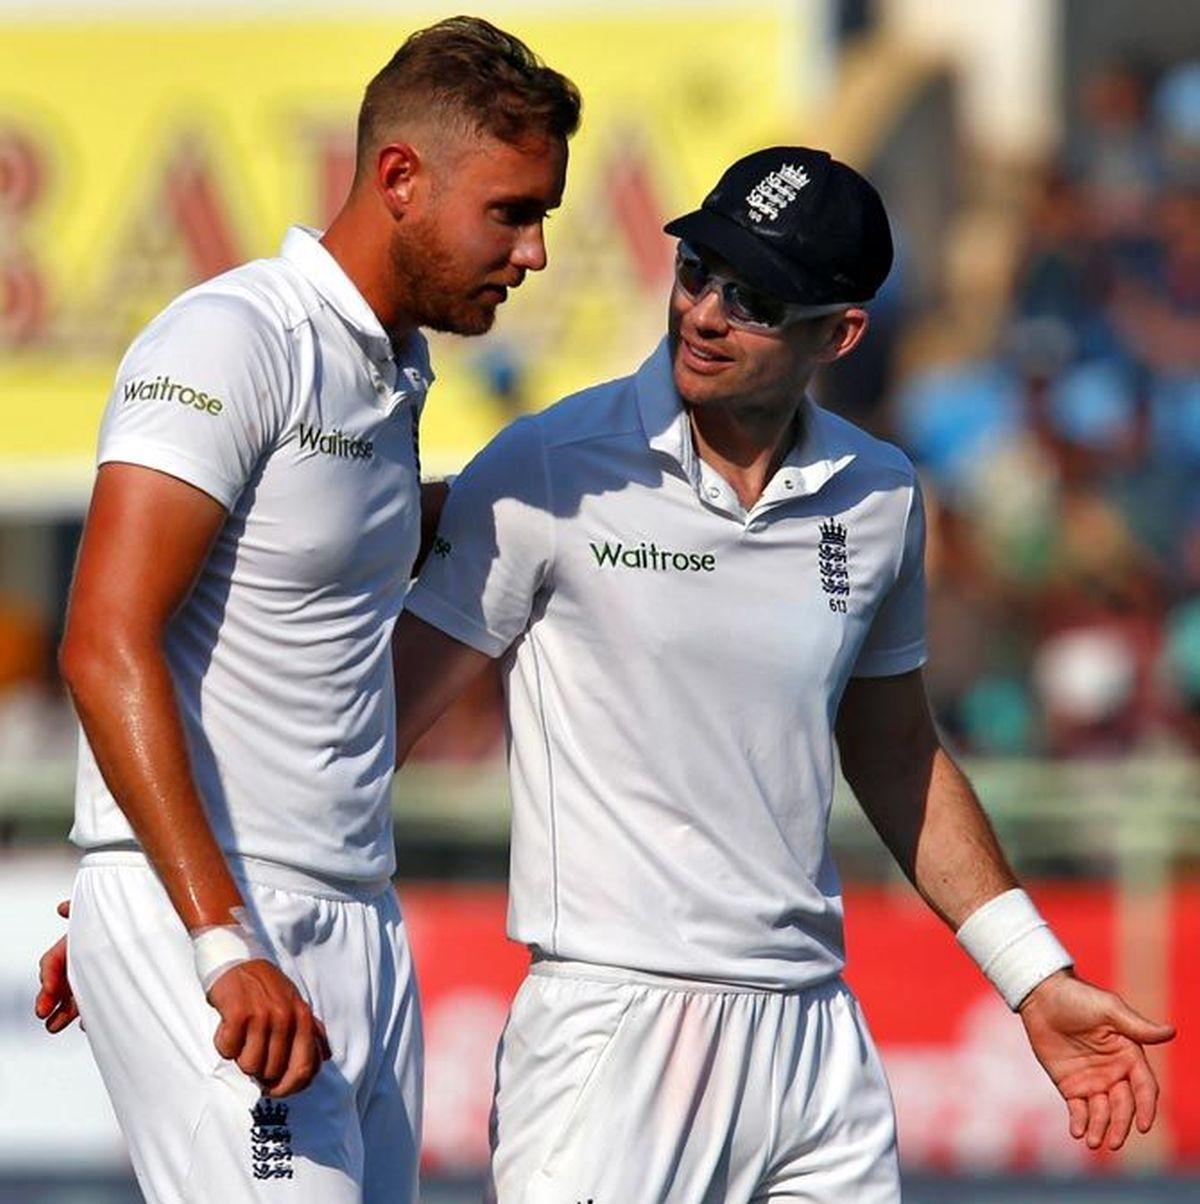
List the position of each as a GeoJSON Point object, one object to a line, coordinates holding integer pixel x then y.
{"type": "Point", "coordinates": [751, 257]}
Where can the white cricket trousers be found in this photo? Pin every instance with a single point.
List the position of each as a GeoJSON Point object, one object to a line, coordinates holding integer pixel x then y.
{"type": "Point", "coordinates": [198, 1130]}
{"type": "Point", "coordinates": [615, 1087]}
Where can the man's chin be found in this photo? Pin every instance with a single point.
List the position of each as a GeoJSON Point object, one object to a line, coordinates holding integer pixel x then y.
{"type": "Point", "coordinates": [694, 389]}
{"type": "Point", "coordinates": [465, 320]}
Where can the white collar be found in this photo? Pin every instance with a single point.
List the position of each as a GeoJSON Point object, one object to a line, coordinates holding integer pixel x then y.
{"type": "Point", "coordinates": [821, 453]}
{"type": "Point", "coordinates": [302, 248]}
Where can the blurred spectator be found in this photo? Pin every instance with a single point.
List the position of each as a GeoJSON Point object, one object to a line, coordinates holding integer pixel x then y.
{"type": "Point", "coordinates": [24, 644]}
{"type": "Point", "coordinates": [1181, 670]}
{"type": "Point", "coordinates": [1111, 155]}
{"type": "Point", "coordinates": [1176, 106]}
{"type": "Point", "coordinates": [35, 722]}
{"type": "Point", "coordinates": [1086, 682]}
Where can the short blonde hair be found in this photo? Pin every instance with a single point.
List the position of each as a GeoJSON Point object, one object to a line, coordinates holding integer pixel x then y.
{"type": "Point", "coordinates": [467, 73]}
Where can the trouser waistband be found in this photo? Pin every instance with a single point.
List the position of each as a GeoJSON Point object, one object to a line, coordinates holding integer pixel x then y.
{"type": "Point", "coordinates": [260, 873]}
{"type": "Point", "coordinates": [556, 967]}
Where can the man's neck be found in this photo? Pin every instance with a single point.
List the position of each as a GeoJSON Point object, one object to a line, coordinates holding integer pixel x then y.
{"type": "Point", "coordinates": [745, 448]}
{"type": "Point", "coordinates": [360, 254]}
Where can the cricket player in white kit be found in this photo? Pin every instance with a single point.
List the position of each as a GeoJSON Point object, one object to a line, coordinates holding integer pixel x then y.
{"type": "Point", "coordinates": [253, 529]}
{"type": "Point", "coordinates": [696, 578]}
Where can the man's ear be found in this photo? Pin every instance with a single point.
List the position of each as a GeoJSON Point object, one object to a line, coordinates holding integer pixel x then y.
{"type": "Point", "coordinates": [397, 166]}
{"type": "Point", "coordinates": [846, 334]}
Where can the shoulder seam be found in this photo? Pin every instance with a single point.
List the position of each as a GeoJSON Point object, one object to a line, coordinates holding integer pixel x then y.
{"type": "Point", "coordinates": [305, 305]}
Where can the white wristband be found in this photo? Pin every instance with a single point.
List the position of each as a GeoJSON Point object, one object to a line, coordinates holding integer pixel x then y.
{"type": "Point", "coordinates": [1012, 945]}
{"type": "Point", "coordinates": [224, 946]}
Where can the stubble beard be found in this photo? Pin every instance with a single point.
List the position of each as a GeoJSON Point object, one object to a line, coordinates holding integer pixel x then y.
{"type": "Point", "coordinates": [434, 293]}
{"type": "Point", "coordinates": [693, 390]}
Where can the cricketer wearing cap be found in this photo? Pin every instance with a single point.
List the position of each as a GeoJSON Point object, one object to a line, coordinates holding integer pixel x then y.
{"type": "Point", "coordinates": [697, 579]}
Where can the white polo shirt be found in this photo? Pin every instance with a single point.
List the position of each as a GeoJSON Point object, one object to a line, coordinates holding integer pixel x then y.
{"type": "Point", "coordinates": [274, 389]}
{"type": "Point", "coordinates": [674, 666]}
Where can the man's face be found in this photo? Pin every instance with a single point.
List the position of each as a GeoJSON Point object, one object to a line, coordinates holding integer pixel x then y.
{"type": "Point", "coordinates": [716, 364]}
{"type": "Point", "coordinates": [476, 230]}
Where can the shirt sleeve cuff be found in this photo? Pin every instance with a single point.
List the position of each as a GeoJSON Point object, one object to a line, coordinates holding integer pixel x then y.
{"type": "Point", "coordinates": [890, 662]}
{"type": "Point", "coordinates": [174, 463]}
{"type": "Point", "coordinates": [440, 614]}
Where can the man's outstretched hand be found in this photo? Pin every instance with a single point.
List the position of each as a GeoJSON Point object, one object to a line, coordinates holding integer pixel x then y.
{"type": "Point", "coordinates": [55, 1004]}
{"type": "Point", "coordinates": [1090, 1043]}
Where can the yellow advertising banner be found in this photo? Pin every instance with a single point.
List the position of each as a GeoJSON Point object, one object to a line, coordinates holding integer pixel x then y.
{"type": "Point", "coordinates": [140, 157]}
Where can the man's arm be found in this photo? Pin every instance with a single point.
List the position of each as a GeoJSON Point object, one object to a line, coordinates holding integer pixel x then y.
{"type": "Point", "coordinates": [432, 669]}
{"type": "Point", "coordinates": [917, 798]}
{"type": "Point", "coordinates": [475, 594]}
{"type": "Point", "coordinates": [433, 501]}
{"type": "Point", "coordinates": [145, 542]}
{"type": "Point", "coordinates": [1089, 1041]}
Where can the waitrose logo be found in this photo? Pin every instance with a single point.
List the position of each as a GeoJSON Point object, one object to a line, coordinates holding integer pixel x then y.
{"type": "Point", "coordinates": [651, 556]}
{"type": "Point", "coordinates": [163, 388]}
{"type": "Point", "coordinates": [334, 443]}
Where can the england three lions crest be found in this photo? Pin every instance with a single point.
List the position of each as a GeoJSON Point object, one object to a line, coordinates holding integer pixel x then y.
{"type": "Point", "coordinates": [833, 563]}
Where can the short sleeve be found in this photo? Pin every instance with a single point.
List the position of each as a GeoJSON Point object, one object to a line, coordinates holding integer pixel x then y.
{"type": "Point", "coordinates": [494, 546]}
{"type": "Point", "coordinates": [201, 394]}
{"type": "Point", "coordinates": [896, 641]}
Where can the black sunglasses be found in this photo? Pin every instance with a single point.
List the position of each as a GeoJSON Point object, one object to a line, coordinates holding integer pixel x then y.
{"type": "Point", "coordinates": [745, 307]}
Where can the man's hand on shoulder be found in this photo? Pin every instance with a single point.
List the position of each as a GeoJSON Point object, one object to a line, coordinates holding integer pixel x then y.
{"type": "Point", "coordinates": [1090, 1043]}
{"type": "Point", "coordinates": [267, 1028]}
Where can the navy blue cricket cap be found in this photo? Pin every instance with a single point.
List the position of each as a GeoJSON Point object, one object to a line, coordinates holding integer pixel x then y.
{"type": "Point", "coordinates": [797, 224]}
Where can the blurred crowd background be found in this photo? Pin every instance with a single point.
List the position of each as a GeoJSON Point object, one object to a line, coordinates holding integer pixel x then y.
{"type": "Point", "coordinates": [1063, 459]}
{"type": "Point", "coordinates": [1036, 352]}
